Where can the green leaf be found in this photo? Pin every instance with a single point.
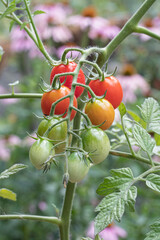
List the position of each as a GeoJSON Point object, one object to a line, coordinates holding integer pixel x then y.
{"type": "Point", "coordinates": [120, 178]}
{"type": "Point", "coordinates": [37, 12]}
{"type": "Point", "coordinates": [5, 193]}
{"type": "Point", "coordinates": [122, 109]}
{"type": "Point", "coordinates": [122, 173]}
{"type": "Point", "coordinates": [154, 234]}
{"type": "Point", "coordinates": [110, 208]}
{"type": "Point", "coordinates": [144, 139]}
{"type": "Point", "coordinates": [1, 52]}
{"type": "Point", "coordinates": [12, 170]}
{"type": "Point", "coordinates": [9, 10]}
{"type": "Point", "coordinates": [157, 139]}
{"type": "Point", "coordinates": [130, 196]}
{"type": "Point", "coordinates": [153, 182]}
{"type": "Point", "coordinates": [137, 118]}
{"type": "Point", "coordinates": [150, 111]}
{"type": "Point", "coordinates": [11, 25]}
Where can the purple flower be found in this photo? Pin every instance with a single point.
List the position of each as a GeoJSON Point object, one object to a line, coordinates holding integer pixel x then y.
{"type": "Point", "coordinates": [42, 205]}
{"type": "Point", "coordinates": [72, 54]}
{"type": "Point", "coordinates": [132, 84]}
{"type": "Point", "coordinates": [112, 232]}
{"type": "Point", "coordinates": [5, 151]}
{"type": "Point", "coordinates": [151, 24]}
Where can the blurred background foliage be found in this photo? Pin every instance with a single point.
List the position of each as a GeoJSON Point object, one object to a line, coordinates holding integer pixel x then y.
{"type": "Point", "coordinates": [137, 61]}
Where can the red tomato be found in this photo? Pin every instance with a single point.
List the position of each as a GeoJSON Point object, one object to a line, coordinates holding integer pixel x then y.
{"type": "Point", "coordinates": [100, 111]}
{"type": "Point", "coordinates": [70, 67]}
{"type": "Point", "coordinates": [114, 90]}
{"type": "Point", "coordinates": [50, 97]}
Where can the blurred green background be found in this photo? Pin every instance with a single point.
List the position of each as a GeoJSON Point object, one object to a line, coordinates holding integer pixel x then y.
{"type": "Point", "coordinates": [37, 193]}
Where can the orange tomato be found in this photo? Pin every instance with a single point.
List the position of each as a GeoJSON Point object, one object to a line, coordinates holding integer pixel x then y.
{"type": "Point", "coordinates": [49, 98]}
{"type": "Point", "coordinates": [100, 111]}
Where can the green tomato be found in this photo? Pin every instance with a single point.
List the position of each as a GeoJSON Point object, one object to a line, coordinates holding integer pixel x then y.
{"type": "Point", "coordinates": [57, 133]}
{"type": "Point", "coordinates": [78, 167]}
{"type": "Point", "coordinates": [96, 142]}
{"type": "Point", "coordinates": [39, 152]}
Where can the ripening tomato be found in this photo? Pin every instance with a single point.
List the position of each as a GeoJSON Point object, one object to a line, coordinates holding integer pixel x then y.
{"type": "Point", "coordinates": [57, 134]}
{"type": "Point", "coordinates": [100, 111]}
{"type": "Point", "coordinates": [113, 87]}
{"type": "Point", "coordinates": [39, 152]}
{"type": "Point", "coordinates": [49, 98]}
{"type": "Point", "coordinates": [96, 142]}
{"type": "Point", "coordinates": [70, 67]}
{"type": "Point", "coordinates": [78, 167]}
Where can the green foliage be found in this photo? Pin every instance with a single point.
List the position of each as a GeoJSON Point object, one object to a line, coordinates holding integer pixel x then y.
{"type": "Point", "coordinates": [12, 170]}
{"type": "Point", "coordinates": [5, 193]}
{"type": "Point", "coordinates": [154, 234]}
{"type": "Point", "coordinates": [119, 192]}
{"type": "Point", "coordinates": [150, 111]}
{"type": "Point", "coordinates": [144, 139]}
{"type": "Point", "coordinates": [153, 182]}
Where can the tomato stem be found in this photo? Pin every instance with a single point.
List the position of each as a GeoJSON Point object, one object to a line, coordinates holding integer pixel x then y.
{"type": "Point", "coordinates": [66, 211]}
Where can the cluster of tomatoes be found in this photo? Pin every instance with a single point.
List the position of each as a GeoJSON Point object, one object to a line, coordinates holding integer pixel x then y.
{"type": "Point", "coordinates": [52, 131]}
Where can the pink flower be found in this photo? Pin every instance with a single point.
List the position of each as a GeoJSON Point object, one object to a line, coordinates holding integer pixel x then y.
{"type": "Point", "coordinates": [72, 54]}
{"type": "Point", "coordinates": [151, 24]}
{"type": "Point", "coordinates": [103, 29]}
{"type": "Point", "coordinates": [132, 84]}
{"type": "Point", "coordinates": [112, 232]}
{"type": "Point", "coordinates": [20, 41]}
{"type": "Point", "coordinates": [5, 151]}
{"type": "Point", "coordinates": [42, 205]}
{"type": "Point", "coordinates": [14, 140]}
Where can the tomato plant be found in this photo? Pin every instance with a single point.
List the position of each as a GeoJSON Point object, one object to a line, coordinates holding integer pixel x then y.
{"type": "Point", "coordinates": [57, 133]}
{"type": "Point", "coordinates": [49, 98]}
{"type": "Point", "coordinates": [78, 166]}
{"type": "Point", "coordinates": [39, 152]}
{"type": "Point", "coordinates": [100, 111]}
{"type": "Point", "coordinates": [70, 67]}
{"type": "Point", "coordinates": [113, 87]}
{"type": "Point", "coordinates": [96, 142]}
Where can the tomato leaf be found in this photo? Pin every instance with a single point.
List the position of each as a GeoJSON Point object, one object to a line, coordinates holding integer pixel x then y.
{"type": "Point", "coordinates": [120, 178]}
{"type": "Point", "coordinates": [143, 139]}
{"type": "Point", "coordinates": [150, 111]}
{"type": "Point", "coordinates": [5, 193]}
{"type": "Point", "coordinates": [153, 182]}
{"type": "Point", "coordinates": [112, 207]}
{"type": "Point", "coordinates": [155, 231]}
{"type": "Point", "coordinates": [137, 118]}
{"type": "Point", "coordinates": [9, 10]}
{"type": "Point", "coordinates": [12, 170]}
{"type": "Point", "coordinates": [122, 109]}
{"type": "Point", "coordinates": [37, 12]}
{"type": "Point", "coordinates": [157, 139]}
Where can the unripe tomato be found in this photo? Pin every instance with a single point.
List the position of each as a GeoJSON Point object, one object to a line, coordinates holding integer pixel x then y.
{"type": "Point", "coordinates": [49, 98]}
{"type": "Point", "coordinates": [57, 133]}
{"type": "Point", "coordinates": [77, 167]}
{"type": "Point", "coordinates": [113, 87]}
{"type": "Point", "coordinates": [39, 153]}
{"type": "Point", "coordinates": [96, 142]}
{"type": "Point", "coordinates": [100, 111]}
{"type": "Point", "coordinates": [70, 67]}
